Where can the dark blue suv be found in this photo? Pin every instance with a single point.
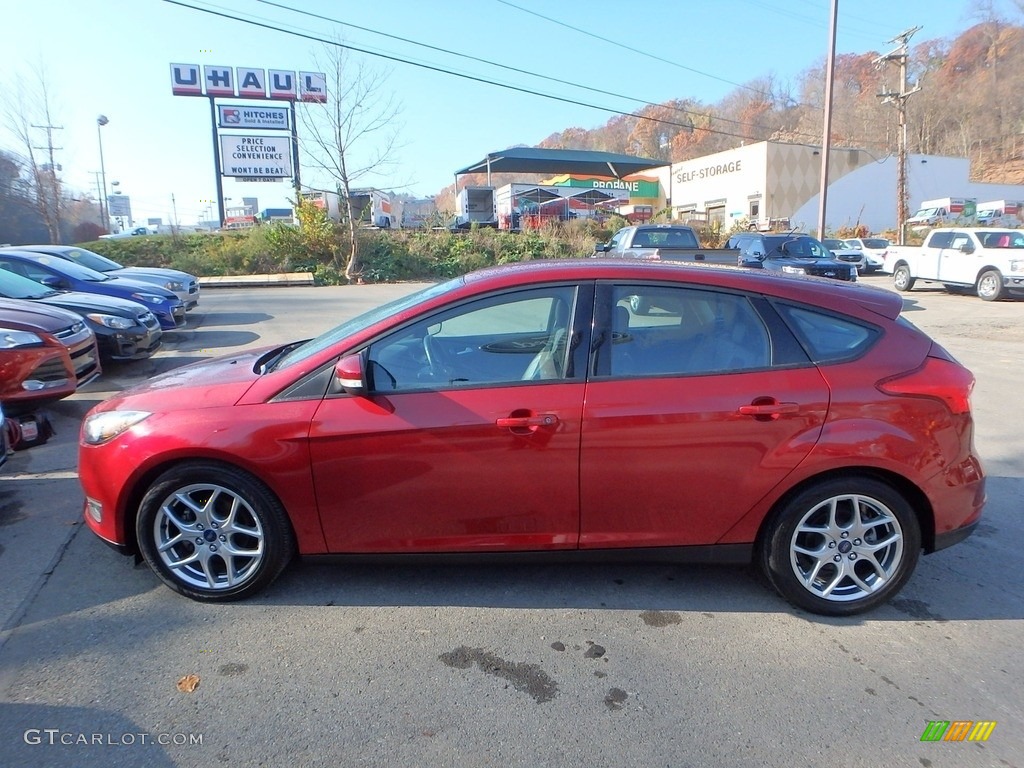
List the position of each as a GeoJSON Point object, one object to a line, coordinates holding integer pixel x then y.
{"type": "Point", "coordinates": [63, 275]}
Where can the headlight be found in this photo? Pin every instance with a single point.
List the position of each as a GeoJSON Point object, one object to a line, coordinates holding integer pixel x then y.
{"type": "Point", "coordinates": [151, 298]}
{"type": "Point", "coordinates": [172, 285]}
{"type": "Point", "coordinates": [12, 339]}
{"type": "Point", "coordinates": [794, 270]}
{"type": "Point", "coordinates": [111, 321]}
{"type": "Point", "coordinates": [101, 427]}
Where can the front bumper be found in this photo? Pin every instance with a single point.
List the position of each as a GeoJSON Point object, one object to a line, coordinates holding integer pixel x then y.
{"type": "Point", "coordinates": [173, 319]}
{"type": "Point", "coordinates": [131, 344]}
{"type": "Point", "coordinates": [950, 538]}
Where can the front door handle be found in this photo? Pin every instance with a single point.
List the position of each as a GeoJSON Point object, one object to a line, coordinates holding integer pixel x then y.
{"type": "Point", "coordinates": [769, 411]}
{"type": "Point", "coordinates": [528, 422]}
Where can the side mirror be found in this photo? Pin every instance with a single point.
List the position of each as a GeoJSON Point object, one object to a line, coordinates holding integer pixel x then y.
{"type": "Point", "coordinates": [602, 247]}
{"type": "Point", "coordinates": [966, 248]}
{"type": "Point", "coordinates": [761, 256]}
{"type": "Point", "coordinates": [50, 281]}
{"type": "Point", "coordinates": [351, 374]}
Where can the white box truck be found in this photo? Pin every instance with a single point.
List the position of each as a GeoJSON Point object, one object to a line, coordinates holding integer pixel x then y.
{"type": "Point", "coordinates": [372, 208]}
{"type": "Point", "coordinates": [476, 206]}
{"type": "Point", "coordinates": [1001, 213]}
{"type": "Point", "coordinates": [328, 201]}
{"type": "Point", "coordinates": [944, 210]}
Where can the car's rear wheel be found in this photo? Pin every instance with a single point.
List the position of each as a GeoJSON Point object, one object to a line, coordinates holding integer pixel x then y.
{"type": "Point", "coordinates": [842, 546]}
{"type": "Point", "coordinates": [902, 279]}
{"type": "Point", "coordinates": [213, 532]}
{"type": "Point", "coordinates": [990, 286]}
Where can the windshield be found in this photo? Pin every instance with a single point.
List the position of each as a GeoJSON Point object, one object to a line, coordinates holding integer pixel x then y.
{"type": "Point", "coordinates": [14, 286]}
{"type": "Point", "coordinates": [876, 243]}
{"type": "Point", "coordinates": [797, 248]}
{"type": "Point", "coordinates": [835, 244]}
{"type": "Point", "coordinates": [90, 260]}
{"type": "Point", "coordinates": [926, 212]}
{"type": "Point", "coordinates": [70, 269]}
{"type": "Point", "coordinates": [358, 323]}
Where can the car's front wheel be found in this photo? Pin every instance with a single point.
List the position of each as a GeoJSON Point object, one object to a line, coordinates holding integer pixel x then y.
{"type": "Point", "coordinates": [842, 546]}
{"type": "Point", "coordinates": [213, 532]}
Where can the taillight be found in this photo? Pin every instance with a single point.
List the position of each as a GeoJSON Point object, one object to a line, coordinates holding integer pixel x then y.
{"type": "Point", "coordinates": [941, 378]}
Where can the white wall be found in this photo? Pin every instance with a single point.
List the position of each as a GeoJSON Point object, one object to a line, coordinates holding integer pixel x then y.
{"type": "Point", "coordinates": [868, 194]}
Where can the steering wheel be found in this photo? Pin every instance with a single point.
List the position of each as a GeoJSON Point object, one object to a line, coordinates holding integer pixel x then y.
{"type": "Point", "coordinates": [435, 358]}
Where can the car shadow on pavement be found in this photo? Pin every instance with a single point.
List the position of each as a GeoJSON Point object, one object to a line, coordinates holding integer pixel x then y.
{"type": "Point", "coordinates": [210, 341]}
{"type": "Point", "coordinates": [233, 318]}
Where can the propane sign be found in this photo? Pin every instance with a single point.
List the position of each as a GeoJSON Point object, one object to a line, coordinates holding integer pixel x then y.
{"type": "Point", "coordinates": [264, 118]}
{"type": "Point", "coordinates": [256, 156]}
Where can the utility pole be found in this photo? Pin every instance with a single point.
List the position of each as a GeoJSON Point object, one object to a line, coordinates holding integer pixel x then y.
{"type": "Point", "coordinates": [52, 195]}
{"type": "Point", "coordinates": [899, 98]}
{"type": "Point", "coordinates": [99, 198]}
{"type": "Point", "coordinates": [826, 130]}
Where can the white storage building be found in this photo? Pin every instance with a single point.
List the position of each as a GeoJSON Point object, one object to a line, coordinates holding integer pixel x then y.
{"type": "Point", "coordinates": [772, 180]}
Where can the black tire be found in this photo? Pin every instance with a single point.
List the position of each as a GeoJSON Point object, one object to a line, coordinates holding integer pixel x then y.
{"type": "Point", "coordinates": [796, 549]}
{"type": "Point", "coordinates": [902, 280]}
{"type": "Point", "coordinates": [990, 285]}
{"type": "Point", "coordinates": [252, 540]}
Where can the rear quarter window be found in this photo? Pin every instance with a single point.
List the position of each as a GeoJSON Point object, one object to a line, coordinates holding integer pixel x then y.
{"type": "Point", "coordinates": [828, 337]}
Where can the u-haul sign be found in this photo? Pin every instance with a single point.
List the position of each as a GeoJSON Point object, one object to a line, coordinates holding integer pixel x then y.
{"type": "Point", "coordinates": [265, 118]}
{"type": "Point", "coordinates": [248, 83]}
{"type": "Point", "coordinates": [256, 156]}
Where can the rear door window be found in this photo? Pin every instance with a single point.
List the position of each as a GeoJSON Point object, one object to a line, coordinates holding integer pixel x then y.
{"type": "Point", "coordinates": [827, 337]}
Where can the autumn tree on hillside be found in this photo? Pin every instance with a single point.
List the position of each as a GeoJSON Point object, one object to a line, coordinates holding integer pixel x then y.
{"type": "Point", "coordinates": [353, 136]}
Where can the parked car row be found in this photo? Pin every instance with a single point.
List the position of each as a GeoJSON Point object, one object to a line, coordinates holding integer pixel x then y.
{"type": "Point", "coordinates": [60, 318]}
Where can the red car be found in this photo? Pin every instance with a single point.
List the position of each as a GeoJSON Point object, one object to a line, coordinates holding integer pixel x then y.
{"type": "Point", "coordinates": [46, 353]}
{"type": "Point", "coordinates": [528, 409]}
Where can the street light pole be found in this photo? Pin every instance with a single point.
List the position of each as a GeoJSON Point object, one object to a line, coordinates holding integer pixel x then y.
{"type": "Point", "coordinates": [104, 212]}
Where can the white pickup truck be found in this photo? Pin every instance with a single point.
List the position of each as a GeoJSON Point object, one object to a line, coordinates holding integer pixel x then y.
{"type": "Point", "coordinates": [987, 261]}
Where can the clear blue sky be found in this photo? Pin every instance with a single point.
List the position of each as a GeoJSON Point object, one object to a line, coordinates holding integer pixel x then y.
{"type": "Point", "coordinates": [113, 57]}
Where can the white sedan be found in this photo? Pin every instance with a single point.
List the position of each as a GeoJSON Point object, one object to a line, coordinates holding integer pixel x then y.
{"type": "Point", "coordinates": [874, 250]}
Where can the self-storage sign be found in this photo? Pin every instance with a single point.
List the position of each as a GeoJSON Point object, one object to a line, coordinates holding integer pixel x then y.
{"type": "Point", "coordinates": [264, 118]}
{"type": "Point", "coordinates": [256, 156]}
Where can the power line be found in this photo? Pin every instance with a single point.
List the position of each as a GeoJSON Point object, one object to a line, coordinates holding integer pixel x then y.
{"type": "Point", "coordinates": [634, 50]}
{"type": "Point", "coordinates": [522, 71]}
{"type": "Point", "coordinates": [442, 70]}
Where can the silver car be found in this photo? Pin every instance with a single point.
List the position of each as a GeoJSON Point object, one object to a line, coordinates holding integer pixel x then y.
{"type": "Point", "coordinates": [182, 284]}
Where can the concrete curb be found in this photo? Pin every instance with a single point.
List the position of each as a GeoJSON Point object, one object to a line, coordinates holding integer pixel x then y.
{"type": "Point", "coordinates": [257, 281]}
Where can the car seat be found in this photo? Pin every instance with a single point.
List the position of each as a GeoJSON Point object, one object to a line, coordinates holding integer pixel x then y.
{"type": "Point", "coordinates": [734, 340]}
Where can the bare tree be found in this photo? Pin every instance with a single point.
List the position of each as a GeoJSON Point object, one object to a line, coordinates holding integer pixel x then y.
{"type": "Point", "coordinates": [27, 114]}
{"type": "Point", "coordinates": [354, 135]}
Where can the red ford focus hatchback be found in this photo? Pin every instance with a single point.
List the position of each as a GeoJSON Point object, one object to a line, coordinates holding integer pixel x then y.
{"type": "Point", "coordinates": [575, 409]}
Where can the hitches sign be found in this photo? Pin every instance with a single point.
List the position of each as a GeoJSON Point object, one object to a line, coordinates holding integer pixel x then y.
{"type": "Point", "coordinates": [248, 83]}
{"type": "Point", "coordinates": [256, 156]}
{"type": "Point", "coordinates": [266, 118]}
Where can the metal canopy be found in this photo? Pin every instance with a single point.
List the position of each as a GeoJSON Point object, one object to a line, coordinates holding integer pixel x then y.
{"type": "Point", "coordinates": [537, 160]}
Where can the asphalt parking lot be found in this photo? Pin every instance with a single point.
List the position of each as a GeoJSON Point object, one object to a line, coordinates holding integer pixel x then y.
{"type": "Point", "coordinates": [620, 665]}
